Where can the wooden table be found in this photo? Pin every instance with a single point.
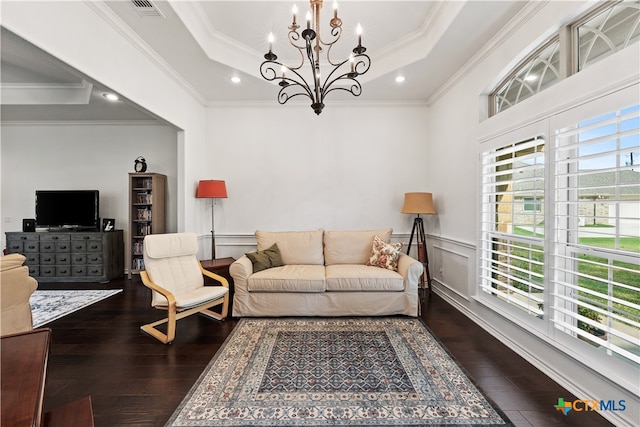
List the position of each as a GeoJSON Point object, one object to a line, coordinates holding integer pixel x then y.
{"type": "Point", "coordinates": [23, 362]}
{"type": "Point", "coordinates": [220, 266]}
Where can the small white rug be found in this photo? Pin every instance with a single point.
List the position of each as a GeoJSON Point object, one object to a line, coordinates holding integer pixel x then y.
{"type": "Point", "coordinates": [47, 306]}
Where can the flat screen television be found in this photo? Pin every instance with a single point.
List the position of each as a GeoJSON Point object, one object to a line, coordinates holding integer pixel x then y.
{"type": "Point", "coordinates": [68, 209]}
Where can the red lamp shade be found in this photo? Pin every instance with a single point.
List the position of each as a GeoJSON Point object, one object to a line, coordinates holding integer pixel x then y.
{"type": "Point", "coordinates": [211, 189]}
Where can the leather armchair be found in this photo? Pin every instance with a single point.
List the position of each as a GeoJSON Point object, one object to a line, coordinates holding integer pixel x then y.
{"type": "Point", "coordinates": [16, 287]}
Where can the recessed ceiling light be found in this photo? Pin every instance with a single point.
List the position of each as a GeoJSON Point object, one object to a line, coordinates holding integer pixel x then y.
{"type": "Point", "coordinates": [111, 96]}
{"type": "Point", "coordinates": [399, 79]}
{"type": "Point", "coordinates": [235, 79]}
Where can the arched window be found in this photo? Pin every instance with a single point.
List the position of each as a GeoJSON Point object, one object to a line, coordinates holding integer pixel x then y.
{"type": "Point", "coordinates": [596, 35]}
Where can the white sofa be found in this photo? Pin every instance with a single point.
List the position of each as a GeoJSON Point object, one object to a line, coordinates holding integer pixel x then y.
{"type": "Point", "coordinates": [324, 273]}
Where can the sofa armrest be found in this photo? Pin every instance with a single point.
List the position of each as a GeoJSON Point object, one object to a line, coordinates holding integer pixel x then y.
{"type": "Point", "coordinates": [410, 269]}
{"type": "Point", "coordinates": [17, 286]}
{"type": "Point", "coordinates": [240, 270]}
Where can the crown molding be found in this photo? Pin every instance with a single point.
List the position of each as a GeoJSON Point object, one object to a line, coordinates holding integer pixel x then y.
{"type": "Point", "coordinates": [214, 44]}
{"type": "Point", "coordinates": [294, 104]}
{"type": "Point", "coordinates": [46, 93]}
{"type": "Point", "coordinates": [525, 14]}
{"type": "Point", "coordinates": [81, 123]}
{"type": "Point", "coordinates": [104, 12]}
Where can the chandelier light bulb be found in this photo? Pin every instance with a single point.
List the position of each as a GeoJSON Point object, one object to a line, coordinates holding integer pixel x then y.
{"type": "Point", "coordinates": [359, 33]}
{"type": "Point", "coordinates": [308, 19]}
{"type": "Point", "coordinates": [294, 10]}
{"type": "Point", "coordinates": [351, 62]}
{"type": "Point", "coordinates": [335, 9]}
{"type": "Point", "coordinates": [271, 39]}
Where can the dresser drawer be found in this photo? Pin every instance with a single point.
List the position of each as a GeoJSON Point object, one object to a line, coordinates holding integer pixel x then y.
{"type": "Point", "coordinates": [78, 246]}
{"type": "Point", "coordinates": [78, 259]}
{"type": "Point", "coordinates": [31, 246]}
{"type": "Point", "coordinates": [47, 259]}
{"type": "Point", "coordinates": [94, 258]}
{"type": "Point", "coordinates": [48, 247]}
{"type": "Point", "coordinates": [55, 237]}
{"type": "Point", "coordinates": [94, 246]}
{"type": "Point", "coordinates": [15, 246]}
{"type": "Point", "coordinates": [32, 259]}
{"type": "Point", "coordinates": [94, 270]}
{"type": "Point", "coordinates": [34, 270]}
{"type": "Point", "coordinates": [63, 271]}
{"type": "Point", "coordinates": [63, 259]}
{"type": "Point", "coordinates": [47, 271]}
{"type": "Point", "coordinates": [79, 270]}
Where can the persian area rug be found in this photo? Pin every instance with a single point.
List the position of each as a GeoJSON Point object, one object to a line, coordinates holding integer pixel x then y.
{"type": "Point", "coordinates": [334, 372]}
{"type": "Point", "coordinates": [47, 306]}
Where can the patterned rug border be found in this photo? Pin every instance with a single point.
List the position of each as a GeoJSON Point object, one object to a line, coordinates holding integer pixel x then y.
{"type": "Point", "coordinates": [89, 297]}
{"type": "Point", "coordinates": [230, 337]}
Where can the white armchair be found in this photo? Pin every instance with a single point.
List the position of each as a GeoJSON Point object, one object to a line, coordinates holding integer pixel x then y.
{"type": "Point", "coordinates": [176, 279]}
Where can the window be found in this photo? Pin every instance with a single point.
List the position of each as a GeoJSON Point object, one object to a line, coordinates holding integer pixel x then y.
{"type": "Point", "coordinates": [607, 32]}
{"type": "Point", "coordinates": [560, 237]}
{"type": "Point", "coordinates": [537, 73]}
{"type": "Point", "coordinates": [512, 264]}
{"type": "Point", "coordinates": [597, 273]}
{"type": "Point", "coordinates": [611, 28]}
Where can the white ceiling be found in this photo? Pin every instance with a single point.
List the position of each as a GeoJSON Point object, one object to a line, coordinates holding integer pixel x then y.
{"type": "Point", "coordinates": [207, 42]}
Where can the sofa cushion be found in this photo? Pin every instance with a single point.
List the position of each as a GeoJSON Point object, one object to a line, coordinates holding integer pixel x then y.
{"type": "Point", "coordinates": [296, 247]}
{"type": "Point", "coordinates": [289, 278]}
{"type": "Point", "coordinates": [351, 278]}
{"type": "Point", "coordinates": [351, 247]}
{"type": "Point", "coordinates": [384, 255]}
{"type": "Point", "coordinates": [268, 258]}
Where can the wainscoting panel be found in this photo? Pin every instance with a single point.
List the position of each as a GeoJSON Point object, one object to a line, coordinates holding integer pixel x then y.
{"type": "Point", "coordinates": [452, 266]}
{"type": "Point", "coordinates": [227, 245]}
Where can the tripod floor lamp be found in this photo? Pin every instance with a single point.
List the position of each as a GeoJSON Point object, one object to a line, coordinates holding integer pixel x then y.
{"type": "Point", "coordinates": [419, 203]}
{"type": "Point", "coordinates": [212, 189]}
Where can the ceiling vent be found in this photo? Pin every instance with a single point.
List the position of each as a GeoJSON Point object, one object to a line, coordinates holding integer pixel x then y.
{"type": "Point", "coordinates": [146, 8]}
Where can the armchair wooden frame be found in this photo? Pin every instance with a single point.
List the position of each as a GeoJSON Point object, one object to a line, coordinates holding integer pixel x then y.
{"type": "Point", "coordinates": [174, 313]}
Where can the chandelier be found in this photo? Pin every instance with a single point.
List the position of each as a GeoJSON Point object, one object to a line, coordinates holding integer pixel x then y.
{"type": "Point", "coordinates": [311, 45]}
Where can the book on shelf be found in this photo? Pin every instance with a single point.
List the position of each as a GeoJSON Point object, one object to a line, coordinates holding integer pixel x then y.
{"type": "Point", "coordinates": [144, 198]}
{"type": "Point", "coordinates": [138, 264]}
{"type": "Point", "coordinates": [137, 248]}
{"type": "Point", "coordinates": [144, 214]}
{"type": "Point", "coordinates": [143, 229]}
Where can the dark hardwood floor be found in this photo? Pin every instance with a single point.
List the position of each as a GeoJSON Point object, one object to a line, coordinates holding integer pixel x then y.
{"type": "Point", "coordinates": [135, 380]}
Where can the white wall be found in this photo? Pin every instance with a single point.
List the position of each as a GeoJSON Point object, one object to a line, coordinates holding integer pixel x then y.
{"type": "Point", "coordinates": [81, 157]}
{"type": "Point", "coordinates": [288, 169]}
{"type": "Point", "coordinates": [455, 129]}
{"type": "Point", "coordinates": [91, 39]}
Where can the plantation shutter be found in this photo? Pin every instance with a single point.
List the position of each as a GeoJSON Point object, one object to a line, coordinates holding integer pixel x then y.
{"type": "Point", "coordinates": [596, 273]}
{"type": "Point", "coordinates": [512, 240]}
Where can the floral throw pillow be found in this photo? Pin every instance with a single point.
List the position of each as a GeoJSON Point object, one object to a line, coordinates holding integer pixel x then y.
{"type": "Point", "coordinates": [384, 255]}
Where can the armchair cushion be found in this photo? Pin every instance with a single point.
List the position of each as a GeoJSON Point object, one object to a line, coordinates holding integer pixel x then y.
{"type": "Point", "coordinates": [170, 261]}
